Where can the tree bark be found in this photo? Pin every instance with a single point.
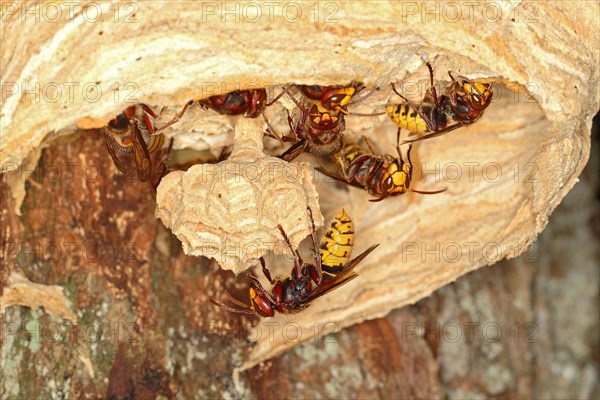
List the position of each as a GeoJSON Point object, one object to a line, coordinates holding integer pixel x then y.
{"type": "Point", "coordinates": [143, 326]}
{"type": "Point", "coordinates": [99, 296]}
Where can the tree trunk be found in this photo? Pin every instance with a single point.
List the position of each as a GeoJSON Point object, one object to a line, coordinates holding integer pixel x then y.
{"type": "Point", "coordinates": [143, 327]}
{"type": "Point", "coordinates": [98, 298]}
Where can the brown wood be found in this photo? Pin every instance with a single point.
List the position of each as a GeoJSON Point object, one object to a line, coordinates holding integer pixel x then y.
{"type": "Point", "coordinates": [541, 56]}
{"type": "Point", "coordinates": [164, 338]}
{"type": "Point", "coordinates": [83, 250]}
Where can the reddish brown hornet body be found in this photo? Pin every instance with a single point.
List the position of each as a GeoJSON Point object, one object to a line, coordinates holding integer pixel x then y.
{"type": "Point", "coordinates": [382, 175]}
{"type": "Point", "coordinates": [317, 131]}
{"type": "Point", "coordinates": [463, 104]}
{"type": "Point", "coordinates": [249, 103]}
{"type": "Point", "coordinates": [306, 283]}
{"type": "Point", "coordinates": [132, 133]}
{"type": "Point", "coordinates": [319, 128]}
{"type": "Point", "coordinates": [333, 98]}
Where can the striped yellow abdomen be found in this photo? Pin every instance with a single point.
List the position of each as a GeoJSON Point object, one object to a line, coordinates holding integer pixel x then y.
{"type": "Point", "coordinates": [156, 142]}
{"type": "Point", "coordinates": [351, 151]}
{"type": "Point", "coordinates": [407, 117]}
{"type": "Point", "coordinates": [336, 245]}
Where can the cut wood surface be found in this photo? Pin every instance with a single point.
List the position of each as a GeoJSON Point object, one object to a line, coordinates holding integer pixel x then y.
{"type": "Point", "coordinates": [505, 174]}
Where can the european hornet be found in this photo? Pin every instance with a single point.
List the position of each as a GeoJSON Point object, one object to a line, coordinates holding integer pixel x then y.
{"type": "Point", "coordinates": [320, 127]}
{"type": "Point", "coordinates": [249, 103]}
{"type": "Point", "coordinates": [307, 281]}
{"type": "Point", "coordinates": [436, 116]}
{"type": "Point", "coordinates": [333, 98]}
{"type": "Point", "coordinates": [317, 131]}
{"type": "Point", "coordinates": [336, 246]}
{"type": "Point", "coordinates": [133, 132]}
{"type": "Point", "coordinates": [380, 175]}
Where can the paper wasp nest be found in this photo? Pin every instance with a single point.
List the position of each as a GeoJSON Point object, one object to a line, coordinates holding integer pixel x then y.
{"type": "Point", "coordinates": [505, 174]}
{"type": "Point", "coordinates": [229, 211]}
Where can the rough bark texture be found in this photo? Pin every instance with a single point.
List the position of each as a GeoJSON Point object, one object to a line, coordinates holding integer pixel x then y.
{"type": "Point", "coordinates": [99, 299]}
{"type": "Point", "coordinates": [523, 328]}
{"type": "Point", "coordinates": [541, 56]}
{"type": "Point", "coordinates": [143, 326]}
